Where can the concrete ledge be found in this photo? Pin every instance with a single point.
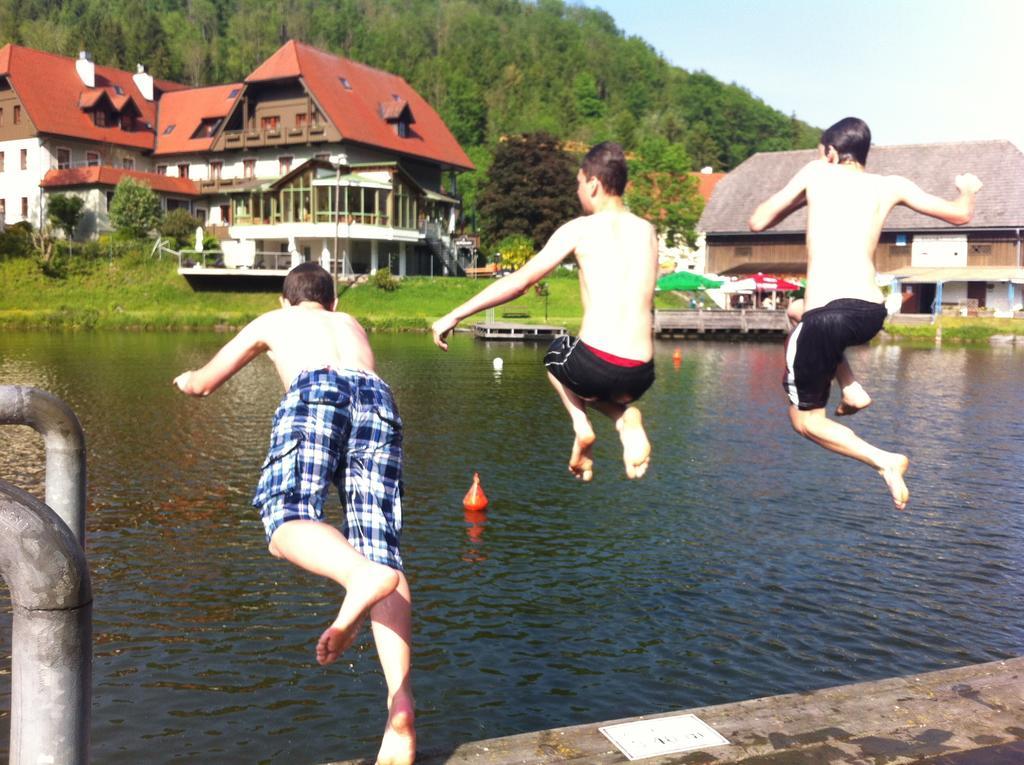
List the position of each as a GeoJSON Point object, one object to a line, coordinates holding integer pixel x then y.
{"type": "Point", "coordinates": [966, 716]}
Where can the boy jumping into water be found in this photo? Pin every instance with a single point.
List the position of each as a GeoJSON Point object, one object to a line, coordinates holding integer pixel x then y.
{"type": "Point", "coordinates": [337, 424]}
{"type": "Point", "coordinates": [846, 207]}
{"type": "Point", "coordinates": [610, 364]}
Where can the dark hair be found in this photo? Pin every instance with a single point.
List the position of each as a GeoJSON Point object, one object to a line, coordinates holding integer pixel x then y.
{"type": "Point", "coordinates": [309, 281]}
{"type": "Point", "coordinates": [851, 138]}
{"type": "Point", "coordinates": [607, 163]}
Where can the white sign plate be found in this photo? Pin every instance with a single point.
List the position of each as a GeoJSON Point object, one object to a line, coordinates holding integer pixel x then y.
{"type": "Point", "coordinates": [664, 735]}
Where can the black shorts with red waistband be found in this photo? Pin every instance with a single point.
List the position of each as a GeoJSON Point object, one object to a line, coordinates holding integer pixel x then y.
{"type": "Point", "coordinates": [596, 376]}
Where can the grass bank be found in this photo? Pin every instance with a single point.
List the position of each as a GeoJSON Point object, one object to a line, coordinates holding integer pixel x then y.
{"type": "Point", "coordinates": [139, 292]}
{"type": "Point", "coordinates": [959, 329]}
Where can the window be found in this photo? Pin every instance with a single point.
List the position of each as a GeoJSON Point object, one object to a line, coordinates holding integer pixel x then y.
{"type": "Point", "coordinates": [207, 127]}
{"type": "Point", "coordinates": [92, 159]}
{"type": "Point", "coordinates": [270, 123]}
{"type": "Point", "coordinates": [24, 159]}
{"type": "Point", "coordinates": [169, 129]}
{"type": "Point", "coordinates": [161, 169]}
{"type": "Point", "coordinates": [24, 207]}
{"type": "Point", "coordinates": [345, 83]}
{"type": "Point", "coordinates": [301, 120]}
{"type": "Point", "coordinates": [17, 115]}
{"type": "Point", "coordinates": [1, 161]}
{"type": "Point", "coordinates": [128, 163]}
{"type": "Point", "coordinates": [249, 168]}
{"type": "Point", "coordinates": [3, 210]}
{"type": "Point", "coordinates": [183, 171]}
{"type": "Point", "coordinates": [225, 214]}
{"type": "Point", "coordinates": [99, 118]}
{"type": "Point", "coordinates": [128, 122]}
{"type": "Point", "coordinates": [215, 170]}
{"type": "Point", "coordinates": [402, 128]}
{"type": "Point", "coordinates": [110, 199]}
{"type": "Point", "coordinates": [233, 93]}
{"type": "Point", "coordinates": [63, 158]}
{"type": "Point", "coordinates": [1, 116]}
{"type": "Point", "coordinates": [284, 165]}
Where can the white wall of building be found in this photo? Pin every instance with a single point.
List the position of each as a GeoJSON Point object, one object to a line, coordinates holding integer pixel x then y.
{"type": "Point", "coordinates": [20, 188]}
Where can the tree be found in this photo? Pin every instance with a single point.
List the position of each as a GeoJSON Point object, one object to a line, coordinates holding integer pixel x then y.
{"type": "Point", "coordinates": [65, 212]}
{"type": "Point", "coordinates": [179, 225]}
{"type": "Point", "coordinates": [661, 191]}
{"type": "Point", "coordinates": [530, 189]}
{"type": "Point", "coordinates": [515, 251]}
{"type": "Point", "coordinates": [135, 209]}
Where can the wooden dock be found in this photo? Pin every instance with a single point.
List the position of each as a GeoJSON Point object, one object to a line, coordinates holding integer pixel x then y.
{"type": "Point", "coordinates": [970, 715]}
{"type": "Point", "coordinates": [721, 322]}
{"type": "Point", "coordinates": [503, 330]}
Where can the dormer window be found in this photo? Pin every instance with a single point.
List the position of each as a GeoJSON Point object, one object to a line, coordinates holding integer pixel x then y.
{"type": "Point", "coordinates": [99, 118]}
{"type": "Point", "coordinates": [402, 128]}
{"type": "Point", "coordinates": [208, 127]}
{"type": "Point", "coordinates": [396, 112]}
{"type": "Point", "coordinates": [345, 83]}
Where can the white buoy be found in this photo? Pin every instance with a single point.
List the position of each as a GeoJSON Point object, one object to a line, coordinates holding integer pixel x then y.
{"type": "Point", "coordinates": [498, 364]}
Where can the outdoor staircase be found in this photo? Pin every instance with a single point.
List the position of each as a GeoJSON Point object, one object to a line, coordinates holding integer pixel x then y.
{"type": "Point", "coordinates": [444, 250]}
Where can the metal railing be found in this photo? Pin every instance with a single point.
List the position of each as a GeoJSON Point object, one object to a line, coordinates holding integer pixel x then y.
{"type": "Point", "coordinates": [42, 559]}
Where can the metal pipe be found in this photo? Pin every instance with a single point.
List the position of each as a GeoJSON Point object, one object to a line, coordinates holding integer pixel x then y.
{"type": "Point", "coordinates": [65, 449]}
{"type": "Point", "coordinates": [51, 658]}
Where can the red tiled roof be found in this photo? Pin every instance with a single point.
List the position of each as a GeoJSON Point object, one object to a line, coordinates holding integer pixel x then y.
{"type": "Point", "coordinates": [51, 91]}
{"type": "Point", "coordinates": [185, 110]}
{"type": "Point", "coordinates": [104, 175]}
{"type": "Point", "coordinates": [706, 183]}
{"type": "Point", "coordinates": [354, 110]}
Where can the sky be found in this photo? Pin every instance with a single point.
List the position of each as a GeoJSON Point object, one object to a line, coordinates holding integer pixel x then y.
{"type": "Point", "coordinates": [917, 71]}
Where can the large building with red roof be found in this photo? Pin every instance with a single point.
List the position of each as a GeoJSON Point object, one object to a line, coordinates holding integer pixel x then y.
{"type": "Point", "coordinates": [311, 156]}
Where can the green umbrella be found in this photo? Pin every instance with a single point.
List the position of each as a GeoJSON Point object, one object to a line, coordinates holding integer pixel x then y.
{"type": "Point", "coordinates": [686, 280]}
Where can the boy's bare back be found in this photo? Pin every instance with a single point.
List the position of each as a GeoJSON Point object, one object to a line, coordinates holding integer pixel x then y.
{"type": "Point", "coordinates": [846, 209]}
{"type": "Point", "coordinates": [617, 254]}
{"type": "Point", "coordinates": [301, 337]}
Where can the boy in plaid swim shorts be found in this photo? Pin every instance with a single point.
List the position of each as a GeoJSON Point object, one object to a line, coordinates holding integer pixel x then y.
{"type": "Point", "coordinates": [337, 425]}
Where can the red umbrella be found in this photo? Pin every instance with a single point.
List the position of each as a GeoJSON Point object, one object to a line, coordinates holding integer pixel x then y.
{"type": "Point", "coordinates": [765, 283]}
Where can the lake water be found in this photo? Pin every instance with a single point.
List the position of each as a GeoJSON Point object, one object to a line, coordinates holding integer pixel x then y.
{"type": "Point", "coordinates": [747, 563]}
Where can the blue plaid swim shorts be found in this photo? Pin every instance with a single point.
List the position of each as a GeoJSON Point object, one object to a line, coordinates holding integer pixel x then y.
{"type": "Point", "coordinates": [340, 428]}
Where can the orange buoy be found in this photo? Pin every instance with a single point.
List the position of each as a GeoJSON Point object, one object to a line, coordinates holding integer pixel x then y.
{"type": "Point", "coordinates": [475, 498]}
{"type": "Point", "coordinates": [677, 358]}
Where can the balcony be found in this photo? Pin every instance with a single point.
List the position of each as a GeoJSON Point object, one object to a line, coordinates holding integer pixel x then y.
{"type": "Point", "coordinates": [255, 138]}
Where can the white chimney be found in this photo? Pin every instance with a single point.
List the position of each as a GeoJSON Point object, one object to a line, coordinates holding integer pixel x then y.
{"type": "Point", "coordinates": [143, 81]}
{"type": "Point", "coordinates": [86, 70]}
{"type": "Point", "coordinates": [707, 170]}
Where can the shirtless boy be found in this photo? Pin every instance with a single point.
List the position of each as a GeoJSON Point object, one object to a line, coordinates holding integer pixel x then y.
{"type": "Point", "coordinates": [846, 207]}
{"type": "Point", "coordinates": [610, 365]}
{"type": "Point", "coordinates": [337, 424]}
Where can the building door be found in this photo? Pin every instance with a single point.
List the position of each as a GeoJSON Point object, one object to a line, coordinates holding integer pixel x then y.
{"type": "Point", "coordinates": [977, 291]}
{"type": "Point", "coordinates": [925, 294]}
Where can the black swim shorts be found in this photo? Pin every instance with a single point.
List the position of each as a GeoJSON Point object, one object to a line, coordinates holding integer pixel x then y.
{"type": "Point", "coordinates": [815, 347]}
{"type": "Point", "coordinates": [578, 368]}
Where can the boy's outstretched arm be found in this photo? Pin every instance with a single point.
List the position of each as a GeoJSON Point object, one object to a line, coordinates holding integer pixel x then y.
{"type": "Point", "coordinates": [956, 211]}
{"type": "Point", "coordinates": [786, 200]}
{"type": "Point", "coordinates": [561, 244]}
{"type": "Point", "coordinates": [236, 353]}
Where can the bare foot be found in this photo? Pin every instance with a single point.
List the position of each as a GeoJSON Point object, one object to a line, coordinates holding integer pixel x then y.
{"type": "Point", "coordinates": [581, 462]}
{"type": "Point", "coordinates": [636, 449]}
{"type": "Point", "coordinates": [854, 399]}
{"type": "Point", "coordinates": [370, 583]}
{"type": "Point", "coordinates": [398, 747]}
{"type": "Point", "coordinates": [892, 474]}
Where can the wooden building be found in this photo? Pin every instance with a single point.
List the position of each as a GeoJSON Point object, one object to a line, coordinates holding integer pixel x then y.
{"type": "Point", "coordinates": [935, 264]}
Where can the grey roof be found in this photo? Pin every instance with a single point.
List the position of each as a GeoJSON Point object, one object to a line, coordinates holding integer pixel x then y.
{"type": "Point", "coordinates": [999, 165]}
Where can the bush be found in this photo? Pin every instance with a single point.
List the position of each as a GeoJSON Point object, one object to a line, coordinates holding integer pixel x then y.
{"type": "Point", "coordinates": [135, 209]}
{"type": "Point", "coordinates": [515, 251]}
{"type": "Point", "coordinates": [180, 226]}
{"type": "Point", "coordinates": [16, 241]}
{"type": "Point", "coordinates": [384, 280]}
